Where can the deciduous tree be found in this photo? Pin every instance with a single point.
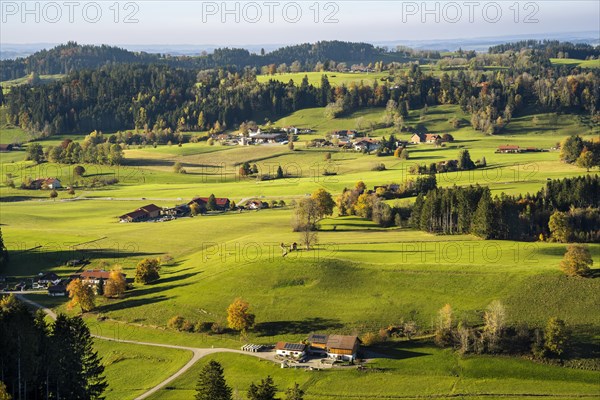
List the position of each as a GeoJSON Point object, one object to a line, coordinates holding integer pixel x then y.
{"type": "Point", "coordinates": [577, 260]}
{"type": "Point", "coordinates": [239, 316]}
{"type": "Point", "coordinates": [147, 271]}
{"type": "Point", "coordinates": [116, 284]}
{"type": "Point", "coordinates": [81, 294]}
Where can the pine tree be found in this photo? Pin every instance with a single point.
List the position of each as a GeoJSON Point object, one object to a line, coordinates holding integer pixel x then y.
{"type": "Point", "coordinates": [77, 373]}
{"type": "Point", "coordinates": [294, 393]}
{"type": "Point", "coordinates": [483, 218]}
{"type": "Point", "coordinates": [211, 383]}
{"type": "Point", "coordinates": [266, 390]}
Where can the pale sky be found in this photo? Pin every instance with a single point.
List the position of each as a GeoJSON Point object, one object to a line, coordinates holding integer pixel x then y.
{"type": "Point", "coordinates": [278, 22]}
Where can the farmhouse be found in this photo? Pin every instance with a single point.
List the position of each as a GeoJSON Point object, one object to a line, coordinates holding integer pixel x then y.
{"type": "Point", "coordinates": [344, 134]}
{"type": "Point", "coordinates": [338, 347]}
{"type": "Point", "coordinates": [294, 350]}
{"type": "Point", "coordinates": [342, 347]}
{"type": "Point", "coordinates": [57, 290]}
{"type": "Point", "coordinates": [47, 278]}
{"type": "Point", "coordinates": [94, 276]}
{"type": "Point", "coordinates": [180, 210]}
{"type": "Point", "coordinates": [142, 214]}
{"type": "Point", "coordinates": [6, 147]}
{"type": "Point", "coordinates": [366, 144]}
{"type": "Point", "coordinates": [418, 138]}
{"type": "Point", "coordinates": [254, 205]}
{"type": "Point", "coordinates": [508, 149]}
{"type": "Point", "coordinates": [222, 203]}
{"type": "Point", "coordinates": [45, 183]}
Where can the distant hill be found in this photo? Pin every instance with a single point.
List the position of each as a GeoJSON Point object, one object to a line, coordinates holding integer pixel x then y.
{"type": "Point", "coordinates": [68, 57]}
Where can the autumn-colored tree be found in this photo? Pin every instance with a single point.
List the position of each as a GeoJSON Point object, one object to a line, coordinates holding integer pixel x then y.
{"type": "Point", "coordinates": [585, 159]}
{"type": "Point", "coordinates": [577, 260]}
{"type": "Point", "coordinates": [53, 194]}
{"type": "Point", "coordinates": [360, 186]}
{"type": "Point", "coordinates": [239, 316]}
{"type": "Point", "coordinates": [556, 337]}
{"type": "Point", "coordinates": [147, 271]}
{"type": "Point", "coordinates": [116, 284]}
{"type": "Point", "coordinates": [559, 226]}
{"type": "Point", "coordinates": [324, 202]}
{"type": "Point", "coordinates": [81, 294]}
{"type": "Point", "coordinates": [494, 320]}
{"type": "Point", "coordinates": [443, 332]}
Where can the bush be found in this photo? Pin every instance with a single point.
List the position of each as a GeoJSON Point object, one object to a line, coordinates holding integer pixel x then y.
{"type": "Point", "coordinates": [370, 339]}
{"type": "Point", "coordinates": [176, 323]}
{"type": "Point", "coordinates": [203, 326]}
{"type": "Point", "coordinates": [217, 328]}
{"type": "Point", "coordinates": [378, 167]}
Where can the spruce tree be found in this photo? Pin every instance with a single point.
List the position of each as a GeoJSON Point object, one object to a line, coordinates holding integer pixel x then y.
{"type": "Point", "coordinates": [266, 390]}
{"type": "Point", "coordinates": [211, 383]}
{"type": "Point", "coordinates": [483, 219]}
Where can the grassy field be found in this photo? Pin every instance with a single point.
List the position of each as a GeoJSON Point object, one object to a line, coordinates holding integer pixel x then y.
{"type": "Point", "coordinates": [335, 78]}
{"type": "Point", "coordinates": [132, 369]}
{"type": "Point", "coordinates": [7, 85]}
{"type": "Point", "coordinates": [412, 371]}
{"type": "Point", "coordinates": [573, 62]}
{"type": "Point", "coordinates": [358, 279]}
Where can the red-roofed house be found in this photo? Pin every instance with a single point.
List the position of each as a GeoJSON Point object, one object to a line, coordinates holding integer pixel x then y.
{"type": "Point", "coordinates": [222, 202]}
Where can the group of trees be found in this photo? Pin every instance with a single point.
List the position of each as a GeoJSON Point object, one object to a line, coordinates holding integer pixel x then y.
{"type": "Point", "coordinates": [308, 212]}
{"type": "Point", "coordinates": [213, 386]}
{"type": "Point", "coordinates": [583, 153]}
{"type": "Point", "coordinates": [41, 360]}
{"type": "Point", "coordinates": [459, 210]}
{"type": "Point", "coordinates": [464, 163]}
{"type": "Point", "coordinates": [96, 149]}
{"type": "Point", "coordinates": [496, 335]}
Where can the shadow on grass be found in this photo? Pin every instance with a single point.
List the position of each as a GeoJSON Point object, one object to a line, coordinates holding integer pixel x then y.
{"type": "Point", "coordinates": [130, 303]}
{"type": "Point", "coordinates": [304, 327]}
{"type": "Point", "coordinates": [52, 254]}
{"type": "Point", "coordinates": [155, 288]}
{"type": "Point", "coordinates": [392, 350]}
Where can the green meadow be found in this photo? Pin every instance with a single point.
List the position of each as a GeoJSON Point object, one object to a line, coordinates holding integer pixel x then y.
{"type": "Point", "coordinates": [358, 279]}
{"type": "Point", "coordinates": [411, 371]}
{"type": "Point", "coordinates": [335, 78]}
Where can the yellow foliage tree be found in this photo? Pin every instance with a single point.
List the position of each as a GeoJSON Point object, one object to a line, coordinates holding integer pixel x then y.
{"type": "Point", "coordinates": [81, 294]}
{"type": "Point", "coordinates": [239, 316]}
{"type": "Point", "coordinates": [116, 284]}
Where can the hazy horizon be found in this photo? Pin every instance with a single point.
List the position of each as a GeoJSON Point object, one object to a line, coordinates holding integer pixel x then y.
{"type": "Point", "coordinates": [257, 23]}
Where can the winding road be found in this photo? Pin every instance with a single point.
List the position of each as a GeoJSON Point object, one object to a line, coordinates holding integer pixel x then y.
{"type": "Point", "coordinates": [197, 352]}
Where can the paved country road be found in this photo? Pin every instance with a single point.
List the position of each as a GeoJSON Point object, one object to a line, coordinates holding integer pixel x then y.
{"type": "Point", "coordinates": [197, 352]}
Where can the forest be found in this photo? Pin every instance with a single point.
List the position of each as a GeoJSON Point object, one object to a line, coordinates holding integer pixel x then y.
{"type": "Point", "coordinates": [156, 97]}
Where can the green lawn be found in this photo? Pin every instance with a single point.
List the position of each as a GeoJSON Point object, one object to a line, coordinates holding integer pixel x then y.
{"type": "Point", "coordinates": [414, 371]}
{"type": "Point", "coordinates": [335, 78]}
{"type": "Point", "coordinates": [358, 279]}
{"type": "Point", "coordinates": [131, 370]}
{"type": "Point", "coordinates": [573, 62]}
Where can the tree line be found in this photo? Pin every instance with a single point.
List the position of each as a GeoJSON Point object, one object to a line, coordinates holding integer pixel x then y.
{"type": "Point", "coordinates": [564, 210]}
{"type": "Point", "coordinates": [69, 57]}
{"type": "Point", "coordinates": [158, 97]}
